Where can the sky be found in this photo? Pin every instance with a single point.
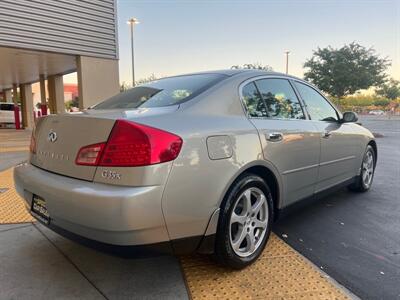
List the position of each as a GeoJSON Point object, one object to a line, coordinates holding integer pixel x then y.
{"type": "Point", "coordinates": [176, 37]}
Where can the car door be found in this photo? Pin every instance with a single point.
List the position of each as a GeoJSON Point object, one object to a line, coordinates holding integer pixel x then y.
{"type": "Point", "coordinates": [338, 143]}
{"type": "Point", "coordinates": [289, 141]}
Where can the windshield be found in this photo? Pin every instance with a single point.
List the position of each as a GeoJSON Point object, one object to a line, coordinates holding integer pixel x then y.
{"type": "Point", "coordinates": [163, 92]}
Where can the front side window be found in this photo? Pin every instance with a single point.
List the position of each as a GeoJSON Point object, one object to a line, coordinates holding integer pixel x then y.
{"type": "Point", "coordinates": [280, 99]}
{"type": "Point", "coordinates": [255, 106]}
{"type": "Point", "coordinates": [163, 92]}
{"type": "Point", "coordinates": [317, 106]}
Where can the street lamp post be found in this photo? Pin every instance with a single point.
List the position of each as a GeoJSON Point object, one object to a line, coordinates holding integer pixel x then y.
{"type": "Point", "coordinates": [132, 22]}
{"type": "Point", "coordinates": [287, 61]}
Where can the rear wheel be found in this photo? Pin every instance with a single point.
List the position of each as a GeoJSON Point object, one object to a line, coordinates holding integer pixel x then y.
{"type": "Point", "coordinates": [245, 222]}
{"type": "Point", "coordinates": [364, 180]}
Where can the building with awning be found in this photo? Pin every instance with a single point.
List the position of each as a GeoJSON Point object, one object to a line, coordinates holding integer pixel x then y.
{"type": "Point", "coordinates": [43, 40]}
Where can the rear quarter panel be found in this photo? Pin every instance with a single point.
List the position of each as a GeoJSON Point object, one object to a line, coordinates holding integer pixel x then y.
{"type": "Point", "coordinates": [197, 183]}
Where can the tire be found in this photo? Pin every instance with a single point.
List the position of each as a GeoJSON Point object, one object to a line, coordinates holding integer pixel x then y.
{"type": "Point", "coordinates": [243, 229]}
{"type": "Point", "coordinates": [364, 181]}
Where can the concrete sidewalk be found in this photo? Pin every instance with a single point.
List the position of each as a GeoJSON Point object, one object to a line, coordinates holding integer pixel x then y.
{"type": "Point", "coordinates": [39, 264]}
{"type": "Point", "coordinates": [14, 146]}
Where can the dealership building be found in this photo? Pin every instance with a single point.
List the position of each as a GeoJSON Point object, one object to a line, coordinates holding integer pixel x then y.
{"type": "Point", "coordinates": [43, 40]}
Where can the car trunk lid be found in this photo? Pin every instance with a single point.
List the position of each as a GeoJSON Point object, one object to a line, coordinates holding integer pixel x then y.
{"type": "Point", "coordinates": [59, 138]}
{"type": "Point", "coordinates": [76, 130]}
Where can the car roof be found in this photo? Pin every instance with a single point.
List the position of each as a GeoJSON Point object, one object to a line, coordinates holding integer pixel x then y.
{"type": "Point", "coordinates": [233, 72]}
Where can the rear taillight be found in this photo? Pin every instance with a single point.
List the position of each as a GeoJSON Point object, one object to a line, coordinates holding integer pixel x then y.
{"type": "Point", "coordinates": [132, 144]}
{"type": "Point", "coordinates": [90, 155]}
{"type": "Point", "coordinates": [32, 146]}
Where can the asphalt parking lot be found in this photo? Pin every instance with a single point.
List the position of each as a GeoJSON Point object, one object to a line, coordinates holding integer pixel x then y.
{"type": "Point", "coordinates": [352, 237]}
{"type": "Point", "coordinates": [355, 237]}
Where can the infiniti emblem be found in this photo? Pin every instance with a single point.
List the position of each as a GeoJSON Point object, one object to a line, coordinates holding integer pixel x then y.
{"type": "Point", "coordinates": [52, 137]}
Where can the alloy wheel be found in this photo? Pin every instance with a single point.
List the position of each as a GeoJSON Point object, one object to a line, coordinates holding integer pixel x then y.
{"type": "Point", "coordinates": [367, 171]}
{"type": "Point", "coordinates": [248, 222]}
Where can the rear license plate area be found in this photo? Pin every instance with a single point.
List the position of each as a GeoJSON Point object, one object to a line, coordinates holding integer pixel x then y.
{"type": "Point", "coordinates": [39, 209]}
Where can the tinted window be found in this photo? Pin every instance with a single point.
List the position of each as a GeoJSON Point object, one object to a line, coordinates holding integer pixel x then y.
{"type": "Point", "coordinates": [254, 104]}
{"type": "Point", "coordinates": [163, 92]}
{"type": "Point", "coordinates": [317, 106]}
{"type": "Point", "coordinates": [280, 99]}
{"type": "Point", "coordinates": [8, 107]}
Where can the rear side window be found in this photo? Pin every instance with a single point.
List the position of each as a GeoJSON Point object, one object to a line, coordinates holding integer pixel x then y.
{"type": "Point", "coordinates": [280, 99]}
{"type": "Point", "coordinates": [255, 106]}
{"type": "Point", "coordinates": [317, 106]}
{"type": "Point", "coordinates": [7, 106]}
{"type": "Point", "coordinates": [163, 92]}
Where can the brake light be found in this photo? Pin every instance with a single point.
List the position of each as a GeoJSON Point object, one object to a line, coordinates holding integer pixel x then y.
{"type": "Point", "coordinates": [89, 155]}
{"type": "Point", "coordinates": [131, 145]}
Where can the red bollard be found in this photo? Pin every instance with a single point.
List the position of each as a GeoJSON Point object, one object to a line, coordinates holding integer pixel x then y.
{"type": "Point", "coordinates": [43, 108]}
{"type": "Point", "coordinates": [16, 117]}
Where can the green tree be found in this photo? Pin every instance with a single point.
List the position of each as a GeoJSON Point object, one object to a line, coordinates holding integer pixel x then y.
{"type": "Point", "coordinates": [381, 102]}
{"type": "Point", "coordinates": [72, 103]}
{"type": "Point", "coordinates": [126, 86]}
{"type": "Point", "coordinates": [343, 71]}
{"type": "Point", "coordinates": [256, 66]}
{"type": "Point", "coordinates": [390, 89]}
{"type": "Point", "coordinates": [123, 87]}
{"type": "Point", "coordinates": [150, 78]}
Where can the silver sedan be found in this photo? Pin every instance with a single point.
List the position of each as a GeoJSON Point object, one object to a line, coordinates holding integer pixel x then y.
{"type": "Point", "coordinates": [200, 162]}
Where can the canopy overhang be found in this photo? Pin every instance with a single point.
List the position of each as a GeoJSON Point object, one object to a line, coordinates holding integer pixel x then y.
{"type": "Point", "coordinates": [22, 66]}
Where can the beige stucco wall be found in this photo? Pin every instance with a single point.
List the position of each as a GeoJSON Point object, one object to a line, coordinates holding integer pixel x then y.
{"type": "Point", "coordinates": [7, 96]}
{"type": "Point", "coordinates": [56, 94]}
{"type": "Point", "coordinates": [98, 79]}
{"type": "Point", "coordinates": [27, 106]}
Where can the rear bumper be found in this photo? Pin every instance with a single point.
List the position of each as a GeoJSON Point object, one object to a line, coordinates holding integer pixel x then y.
{"type": "Point", "coordinates": [116, 215]}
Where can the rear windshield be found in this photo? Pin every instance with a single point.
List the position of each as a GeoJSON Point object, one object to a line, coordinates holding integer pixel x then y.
{"type": "Point", "coordinates": [7, 106]}
{"type": "Point", "coordinates": [163, 92]}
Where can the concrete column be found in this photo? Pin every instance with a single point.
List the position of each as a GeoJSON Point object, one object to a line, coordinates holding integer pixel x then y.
{"type": "Point", "coordinates": [28, 120]}
{"type": "Point", "coordinates": [42, 89]}
{"type": "Point", "coordinates": [43, 100]}
{"type": "Point", "coordinates": [7, 95]}
{"type": "Point", "coordinates": [55, 86]}
{"type": "Point", "coordinates": [15, 93]}
{"type": "Point", "coordinates": [98, 79]}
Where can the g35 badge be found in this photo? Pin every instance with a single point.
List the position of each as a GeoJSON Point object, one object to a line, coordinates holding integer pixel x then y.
{"type": "Point", "coordinates": [110, 175]}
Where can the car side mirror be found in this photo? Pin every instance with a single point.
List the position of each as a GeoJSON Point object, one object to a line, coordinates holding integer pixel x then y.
{"type": "Point", "coordinates": [349, 117]}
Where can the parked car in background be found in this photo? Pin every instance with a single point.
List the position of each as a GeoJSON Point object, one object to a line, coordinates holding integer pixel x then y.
{"type": "Point", "coordinates": [377, 112]}
{"type": "Point", "coordinates": [200, 162]}
{"type": "Point", "coordinates": [7, 113]}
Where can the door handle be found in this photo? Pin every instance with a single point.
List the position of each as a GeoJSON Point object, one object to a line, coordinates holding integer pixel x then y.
{"type": "Point", "coordinates": [274, 136]}
{"type": "Point", "coordinates": [326, 134]}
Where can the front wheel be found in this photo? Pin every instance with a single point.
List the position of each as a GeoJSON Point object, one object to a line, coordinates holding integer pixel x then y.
{"type": "Point", "coordinates": [364, 180]}
{"type": "Point", "coordinates": [245, 222]}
